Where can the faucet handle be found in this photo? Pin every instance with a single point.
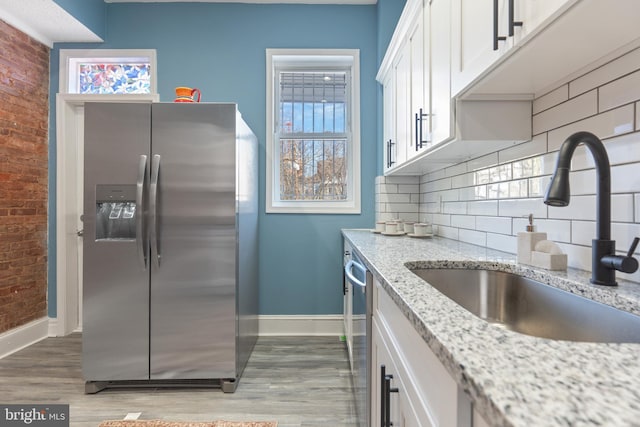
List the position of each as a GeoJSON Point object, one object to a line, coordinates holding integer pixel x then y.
{"type": "Point", "coordinates": [626, 264]}
{"type": "Point", "coordinates": [633, 247]}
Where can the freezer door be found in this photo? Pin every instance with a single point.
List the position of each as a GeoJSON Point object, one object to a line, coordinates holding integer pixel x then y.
{"type": "Point", "coordinates": [193, 241]}
{"type": "Point", "coordinates": [115, 337]}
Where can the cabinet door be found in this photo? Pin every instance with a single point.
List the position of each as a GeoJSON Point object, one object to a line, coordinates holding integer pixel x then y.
{"type": "Point", "coordinates": [440, 57]}
{"type": "Point", "coordinates": [402, 70]}
{"type": "Point", "coordinates": [472, 35]}
{"type": "Point", "coordinates": [401, 411]}
{"type": "Point", "coordinates": [533, 13]}
{"type": "Point", "coordinates": [388, 121]}
{"type": "Point", "coordinates": [419, 88]}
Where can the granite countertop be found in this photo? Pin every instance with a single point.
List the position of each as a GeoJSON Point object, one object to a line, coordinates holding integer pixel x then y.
{"type": "Point", "coordinates": [513, 379]}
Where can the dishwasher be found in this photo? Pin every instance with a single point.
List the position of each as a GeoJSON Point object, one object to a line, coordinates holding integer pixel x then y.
{"type": "Point", "coordinates": [359, 283]}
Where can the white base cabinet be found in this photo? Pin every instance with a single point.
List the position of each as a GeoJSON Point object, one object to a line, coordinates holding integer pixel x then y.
{"type": "Point", "coordinates": [420, 392]}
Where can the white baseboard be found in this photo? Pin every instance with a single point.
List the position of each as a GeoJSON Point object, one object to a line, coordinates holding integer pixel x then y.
{"type": "Point", "coordinates": [53, 327]}
{"type": "Point", "coordinates": [301, 325]}
{"type": "Point", "coordinates": [23, 336]}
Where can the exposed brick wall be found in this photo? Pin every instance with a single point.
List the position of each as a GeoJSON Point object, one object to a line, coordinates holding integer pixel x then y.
{"type": "Point", "coordinates": [24, 89]}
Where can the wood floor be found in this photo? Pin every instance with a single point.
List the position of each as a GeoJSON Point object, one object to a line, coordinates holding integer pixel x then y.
{"type": "Point", "coordinates": [297, 381]}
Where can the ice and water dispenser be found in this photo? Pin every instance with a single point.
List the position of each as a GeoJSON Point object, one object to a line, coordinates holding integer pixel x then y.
{"type": "Point", "coordinates": [115, 212]}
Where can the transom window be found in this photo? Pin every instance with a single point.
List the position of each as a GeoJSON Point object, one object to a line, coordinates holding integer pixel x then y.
{"type": "Point", "coordinates": [313, 148]}
{"type": "Point", "coordinates": [105, 71]}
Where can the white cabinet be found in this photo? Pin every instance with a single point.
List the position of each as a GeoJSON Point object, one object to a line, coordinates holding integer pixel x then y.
{"type": "Point", "coordinates": [388, 120]}
{"type": "Point", "coordinates": [440, 121]}
{"type": "Point", "coordinates": [402, 89]}
{"type": "Point", "coordinates": [475, 27]}
{"type": "Point", "coordinates": [392, 399]}
{"type": "Point", "coordinates": [532, 14]}
{"type": "Point", "coordinates": [426, 394]}
{"type": "Point", "coordinates": [483, 31]}
{"type": "Point", "coordinates": [419, 88]}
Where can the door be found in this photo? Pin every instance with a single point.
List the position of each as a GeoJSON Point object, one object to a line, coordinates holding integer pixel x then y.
{"type": "Point", "coordinates": [192, 221]}
{"type": "Point", "coordinates": [472, 35]}
{"type": "Point", "coordinates": [403, 120]}
{"type": "Point", "coordinates": [441, 108]}
{"type": "Point", "coordinates": [115, 341]}
{"type": "Point", "coordinates": [419, 85]}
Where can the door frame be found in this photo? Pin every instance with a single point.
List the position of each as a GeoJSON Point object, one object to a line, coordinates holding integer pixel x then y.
{"type": "Point", "coordinates": [68, 200]}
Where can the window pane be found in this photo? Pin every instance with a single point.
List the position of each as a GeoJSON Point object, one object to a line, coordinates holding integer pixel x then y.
{"type": "Point", "coordinates": [114, 78]}
{"type": "Point", "coordinates": [312, 169]}
{"type": "Point", "coordinates": [312, 102]}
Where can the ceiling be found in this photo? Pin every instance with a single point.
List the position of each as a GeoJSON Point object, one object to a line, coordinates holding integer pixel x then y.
{"type": "Point", "coordinates": [45, 21]}
{"type": "Point", "coordinates": [250, 1]}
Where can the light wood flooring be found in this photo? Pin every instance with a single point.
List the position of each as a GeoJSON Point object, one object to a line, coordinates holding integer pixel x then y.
{"type": "Point", "coordinates": [297, 381]}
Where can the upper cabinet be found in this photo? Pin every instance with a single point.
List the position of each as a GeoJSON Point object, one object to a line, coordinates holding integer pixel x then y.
{"type": "Point", "coordinates": [480, 65]}
{"type": "Point", "coordinates": [553, 40]}
{"type": "Point", "coordinates": [482, 31]}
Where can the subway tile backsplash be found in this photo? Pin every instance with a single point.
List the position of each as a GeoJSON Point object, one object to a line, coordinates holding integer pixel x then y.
{"type": "Point", "coordinates": [485, 201]}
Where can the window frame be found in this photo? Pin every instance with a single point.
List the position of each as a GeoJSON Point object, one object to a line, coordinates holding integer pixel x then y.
{"type": "Point", "coordinates": [304, 59]}
{"type": "Point", "coordinates": [69, 56]}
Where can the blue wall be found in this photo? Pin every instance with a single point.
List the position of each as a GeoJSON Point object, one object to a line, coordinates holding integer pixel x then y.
{"type": "Point", "coordinates": [220, 48]}
{"type": "Point", "coordinates": [92, 13]}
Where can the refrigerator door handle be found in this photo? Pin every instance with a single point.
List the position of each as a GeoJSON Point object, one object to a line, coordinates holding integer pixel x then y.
{"type": "Point", "coordinates": [140, 184]}
{"type": "Point", "coordinates": [153, 209]}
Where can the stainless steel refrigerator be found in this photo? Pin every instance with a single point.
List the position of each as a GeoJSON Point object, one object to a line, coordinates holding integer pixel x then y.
{"type": "Point", "coordinates": [170, 257]}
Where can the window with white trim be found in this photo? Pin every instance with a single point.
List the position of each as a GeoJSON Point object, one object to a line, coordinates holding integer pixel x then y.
{"type": "Point", "coordinates": [313, 131]}
{"type": "Point", "coordinates": [108, 71]}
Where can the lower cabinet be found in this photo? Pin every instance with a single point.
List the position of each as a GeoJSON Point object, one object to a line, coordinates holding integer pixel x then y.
{"type": "Point", "coordinates": [409, 385]}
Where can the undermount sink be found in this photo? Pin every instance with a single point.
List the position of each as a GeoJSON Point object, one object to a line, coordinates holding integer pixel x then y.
{"type": "Point", "coordinates": [533, 308]}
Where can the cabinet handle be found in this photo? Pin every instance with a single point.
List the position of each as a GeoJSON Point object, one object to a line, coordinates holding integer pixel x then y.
{"type": "Point", "coordinates": [512, 22]}
{"type": "Point", "coordinates": [496, 38]}
{"type": "Point", "coordinates": [385, 397]}
{"type": "Point", "coordinates": [419, 141]}
{"type": "Point", "coordinates": [389, 161]}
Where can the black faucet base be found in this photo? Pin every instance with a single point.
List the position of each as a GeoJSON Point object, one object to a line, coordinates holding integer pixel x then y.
{"type": "Point", "coordinates": [602, 274]}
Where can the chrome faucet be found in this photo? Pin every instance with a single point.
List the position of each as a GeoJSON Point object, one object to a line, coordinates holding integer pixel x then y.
{"type": "Point", "coordinates": [604, 261]}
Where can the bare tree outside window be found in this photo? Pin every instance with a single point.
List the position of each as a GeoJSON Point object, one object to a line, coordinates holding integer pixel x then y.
{"type": "Point", "coordinates": [313, 135]}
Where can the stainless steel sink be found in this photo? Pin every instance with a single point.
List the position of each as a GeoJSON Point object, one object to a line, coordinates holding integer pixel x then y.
{"type": "Point", "coordinates": [533, 308]}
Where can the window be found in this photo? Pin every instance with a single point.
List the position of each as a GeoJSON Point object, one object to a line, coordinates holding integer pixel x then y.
{"type": "Point", "coordinates": [313, 131]}
{"type": "Point", "coordinates": [104, 71]}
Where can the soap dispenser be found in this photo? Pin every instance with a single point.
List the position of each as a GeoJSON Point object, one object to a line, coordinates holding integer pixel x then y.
{"type": "Point", "coordinates": [527, 241]}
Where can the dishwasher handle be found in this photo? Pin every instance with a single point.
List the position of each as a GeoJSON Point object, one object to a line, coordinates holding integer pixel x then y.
{"type": "Point", "coordinates": [349, 273]}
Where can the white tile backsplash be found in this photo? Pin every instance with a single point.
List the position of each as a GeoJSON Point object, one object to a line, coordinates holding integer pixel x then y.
{"type": "Point", "coordinates": [570, 111]}
{"type": "Point", "coordinates": [522, 207]}
{"type": "Point", "coordinates": [474, 237]}
{"type": "Point", "coordinates": [551, 99]}
{"type": "Point", "coordinates": [605, 125]}
{"type": "Point", "coordinates": [464, 221]}
{"type": "Point", "coordinates": [502, 242]}
{"type": "Point", "coordinates": [619, 92]}
{"type": "Point", "coordinates": [485, 201]}
{"type": "Point", "coordinates": [537, 146]}
{"type": "Point", "coordinates": [494, 224]}
{"type": "Point", "coordinates": [625, 178]}
{"type": "Point", "coordinates": [622, 207]}
{"type": "Point", "coordinates": [606, 73]}
{"type": "Point", "coordinates": [489, 207]}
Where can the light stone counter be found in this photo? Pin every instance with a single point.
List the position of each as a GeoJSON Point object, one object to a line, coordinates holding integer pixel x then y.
{"type": "Point", "coordinates": [513, 379]}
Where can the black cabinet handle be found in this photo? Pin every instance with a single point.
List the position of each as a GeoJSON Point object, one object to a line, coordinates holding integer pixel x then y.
{"type": "Point", "coordinates": [496, 38]}
{"type": "Point", "coordinates": [419, 118]}
{"type": "Point", "coordinates": [389, 161]}
{"type": "Point", "coordinates": [385, 397]}
{"type": "Point", "coordinates": [512, 22]}
{"type": "Point", "coordinates": [418, 125]}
